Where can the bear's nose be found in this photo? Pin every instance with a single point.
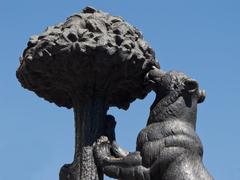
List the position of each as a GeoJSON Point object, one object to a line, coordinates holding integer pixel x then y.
{"type": "Point", "coordinates": [155, 73]}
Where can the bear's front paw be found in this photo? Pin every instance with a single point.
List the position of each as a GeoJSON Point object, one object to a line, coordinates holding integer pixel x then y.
{"type": "Point", "coordinates": [102, 150]}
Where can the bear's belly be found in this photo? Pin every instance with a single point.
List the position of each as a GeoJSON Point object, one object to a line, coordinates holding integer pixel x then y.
{"type": "Point", "coordinates": [159, 130]}
{"type": "Point", "coordinates": [163, 141]}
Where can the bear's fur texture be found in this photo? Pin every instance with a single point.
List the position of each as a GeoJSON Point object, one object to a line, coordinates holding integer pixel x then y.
{"type": "Point", "coordinates": [168, 148]}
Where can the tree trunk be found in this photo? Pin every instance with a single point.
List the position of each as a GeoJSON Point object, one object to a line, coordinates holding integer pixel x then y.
{"type": "Point", "coordinates": [89, 126]}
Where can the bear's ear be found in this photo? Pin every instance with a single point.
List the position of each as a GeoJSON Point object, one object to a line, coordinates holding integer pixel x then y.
{"type": "Point", "coordinates": [191, 85]}
{"type": "Point", "coordinates": [201, 96]}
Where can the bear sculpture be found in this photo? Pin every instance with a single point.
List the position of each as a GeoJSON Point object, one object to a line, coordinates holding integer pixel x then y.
{"type": "Point", "coordinates": [168, 148]}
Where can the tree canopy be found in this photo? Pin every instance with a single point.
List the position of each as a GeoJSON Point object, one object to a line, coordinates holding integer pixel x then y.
{"type": "Point", "coordinates": [91, 54]}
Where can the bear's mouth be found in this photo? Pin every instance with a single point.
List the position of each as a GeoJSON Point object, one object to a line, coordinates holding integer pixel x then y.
{"type": "Point", "coordinates": [153, 77]}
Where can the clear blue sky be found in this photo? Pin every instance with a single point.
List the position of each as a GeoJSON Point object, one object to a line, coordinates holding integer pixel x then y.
{"type": "Point", "coordinates": [200, 38]}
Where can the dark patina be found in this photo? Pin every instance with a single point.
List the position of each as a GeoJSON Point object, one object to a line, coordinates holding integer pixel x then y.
{"type": "Point", "coordinates": [94, 61]}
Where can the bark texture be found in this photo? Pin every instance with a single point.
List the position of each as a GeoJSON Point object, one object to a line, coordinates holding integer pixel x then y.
{"type": "Point", "coordinates": [90, 120]}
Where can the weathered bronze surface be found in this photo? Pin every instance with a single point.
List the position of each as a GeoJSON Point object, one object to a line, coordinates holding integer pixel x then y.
{"type": "Point", "coordinates": [94, 61]}
{"type": "Point", "coordinates": [168, 148]}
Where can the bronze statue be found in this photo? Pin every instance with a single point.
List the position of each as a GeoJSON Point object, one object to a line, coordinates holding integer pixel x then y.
{"type": "Point", "coordinates": [94, 61]}
{"type": "Point", "coordinates": [168, 148]}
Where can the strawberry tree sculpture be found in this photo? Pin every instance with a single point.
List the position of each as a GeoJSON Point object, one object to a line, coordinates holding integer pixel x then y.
{"type": "Point", "coordinates": [89, 63]}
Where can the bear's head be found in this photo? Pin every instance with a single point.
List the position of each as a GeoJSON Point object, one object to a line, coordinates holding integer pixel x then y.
{"type": "Point", "coordinates": [177, 95]}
